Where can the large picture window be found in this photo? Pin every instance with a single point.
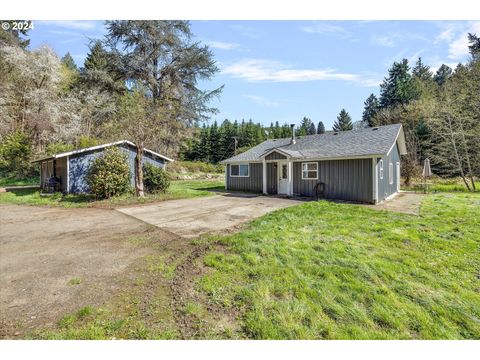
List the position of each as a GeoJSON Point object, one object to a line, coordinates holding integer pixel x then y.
{"type": "Point", "coordinates": [310, 171]}
{"type": "Point", "coordinates": [240, 170]}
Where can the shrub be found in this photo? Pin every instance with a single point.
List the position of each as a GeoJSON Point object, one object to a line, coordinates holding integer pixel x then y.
{"type": "Point", "coordinates": [155, 179]}
{"type": "Point", "coordinates": [15, 155]}
{"type": "Point", "coordinates": [109, 174]}
{"type": "Point", "coordinates": [195, 167]}
{"type": "Point", "coordinates": [57, 148]}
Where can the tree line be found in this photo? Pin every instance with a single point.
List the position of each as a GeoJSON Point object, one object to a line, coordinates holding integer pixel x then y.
{"type": "Point", "coordinates": [214, 142]}
{"type": "Point", "coordinates": [440, 114]}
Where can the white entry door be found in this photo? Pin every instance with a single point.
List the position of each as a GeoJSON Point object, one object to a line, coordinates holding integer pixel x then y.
{"type": "Point", "coordinates": [283, 178]}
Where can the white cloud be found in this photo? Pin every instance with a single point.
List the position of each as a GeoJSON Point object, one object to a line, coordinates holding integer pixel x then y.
{"type": "Point", "coordinates": [261, 100]}
{"type": "Point", "coordinates": [72, 24]}
{"type": "Point", "coordinates": [455, 35]}
{"type": "Point", "coordinates": [383, 40]}
{"type": "Point", "coordinates": [246, 31]}
{"type": "Point", "coordinates": [320, 27]}
{"type": "Point", "coordinates": [222, 45]}
{"type": "Point", "coordinates": [260, 70]}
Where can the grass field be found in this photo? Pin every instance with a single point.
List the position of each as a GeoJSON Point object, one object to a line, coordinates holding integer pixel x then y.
{"type": "Point", "coordinates": [334, 271]}
{"type": "Point", "coordinates": [437, 184]}
{"type": "Point", "coordinates": [319, 270]}
{"type": "Point", "coordinates": [19, 182]}
{"type": "Point", "coordinates": [178, 190]}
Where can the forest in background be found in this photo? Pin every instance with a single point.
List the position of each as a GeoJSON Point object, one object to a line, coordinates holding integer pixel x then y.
{"type": "Point", "coordinates": [49, 104]}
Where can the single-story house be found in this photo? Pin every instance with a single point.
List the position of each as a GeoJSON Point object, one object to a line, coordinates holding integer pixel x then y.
{"type": "Point", "coordinates": [70, 168]}
{"type": "Point", "coordinates": [358, 165]}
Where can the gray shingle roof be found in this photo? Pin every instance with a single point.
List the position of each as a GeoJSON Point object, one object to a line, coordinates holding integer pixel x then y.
{"type": "Point", "coordinates": [361, 142]}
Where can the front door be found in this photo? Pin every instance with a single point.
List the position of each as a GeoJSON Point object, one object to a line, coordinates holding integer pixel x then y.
{"type": "Point", "coordinates": [283, 178]}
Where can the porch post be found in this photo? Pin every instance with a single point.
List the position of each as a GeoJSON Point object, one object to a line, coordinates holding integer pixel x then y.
{"type": "Point", "coordinates": [290, 177]}
{"type": "Point", "coordinates": [264, 182]}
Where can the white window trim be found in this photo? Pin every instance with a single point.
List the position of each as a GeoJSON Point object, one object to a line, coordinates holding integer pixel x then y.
{"type": "Point", "coordinates": [239, 170]}
{"type": "Point", "coordinates": [390, 173]}
{"type": "Point", "coordinates": [316, 171]}
{"type": "Point", "coordinates": [381, 169]}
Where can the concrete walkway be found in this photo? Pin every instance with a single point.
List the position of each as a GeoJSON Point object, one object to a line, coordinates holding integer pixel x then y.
{"type": "Point", "coordinates": [403, 202]}
{"type": "Point", "coordinates": [193, 217]}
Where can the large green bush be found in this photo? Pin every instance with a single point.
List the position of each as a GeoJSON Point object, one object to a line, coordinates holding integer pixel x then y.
{"type": "Point", "coordinates": [109, 174]}
{"type": "Point", "coordinates": [195, 167]}
{"type": "Point", "coordinates": [155, 179]}
{"type": "Point", "coordinates": [15, 155]}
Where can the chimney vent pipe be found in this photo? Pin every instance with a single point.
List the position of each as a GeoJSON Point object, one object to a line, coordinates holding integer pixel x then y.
{"type": "Point", "coordinates": [293, 133]}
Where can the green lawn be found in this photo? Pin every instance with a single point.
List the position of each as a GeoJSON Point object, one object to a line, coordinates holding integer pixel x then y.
{"type": "Point", "coordinates": [319, 270]}
{"type": "Point", "coordinates": [19, 182]}
{"type": "Point", "coordinates": [178, 190]}
{"type": "Point", "coordinates": [438, 184]}
{"type": "Point", "coordinates": [335, 271]}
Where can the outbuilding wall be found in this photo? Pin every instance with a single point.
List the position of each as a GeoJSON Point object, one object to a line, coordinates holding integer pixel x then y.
{"type": "Point", "coordinates": [79, 165]}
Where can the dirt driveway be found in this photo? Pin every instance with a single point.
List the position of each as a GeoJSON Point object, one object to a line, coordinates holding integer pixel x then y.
{"type": "Point", "coordinates": [54, 261]}
{"type": "Point", "coordinates": [193, 217]}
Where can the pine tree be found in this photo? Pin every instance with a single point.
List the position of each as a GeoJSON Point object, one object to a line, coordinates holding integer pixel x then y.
{"type": "Point", "coordinates": [97, 58]}
{"type": "Point", "coordinates": [474, 47]}
{"type": "Point", "coordinates": [443, 73]}
{"type": "Point", "coordinates": [371, 107]}
{"type": "Point", "coordinates": [305, 127]}
{"type": "Point", "coordinates": [68, 61]}
{"type": "Point", "coordinates": [214, 141]}
{"type": "Point", "coordinates": [397, 88]}
{"type": "Point", "coordinates": [320, 128]}
{"type": "Point", "coordinates": [421, 71]}
{"type": "Point", "coordinates": [344, 122]}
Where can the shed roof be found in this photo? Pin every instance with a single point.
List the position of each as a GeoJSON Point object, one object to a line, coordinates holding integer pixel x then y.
{"type": "Point", "coordinates": [79, 151]}
{"type": "Point", "coordinates": [342, 144]}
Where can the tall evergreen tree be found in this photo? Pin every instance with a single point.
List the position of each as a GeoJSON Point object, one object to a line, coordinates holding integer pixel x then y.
{"type": "Point", "coordinates": [443, 73]}
{"type": "Point", "coordinates": [68, 61]}
{"type": "Point", "coordinates": [344, 121]}
{"type": "Point", "coordinates": [97, 58]}
{"type": "Point", "coordinates": [161, 56]}
{"type": "Point", "coordinates": [397, 88]}
{"type": "Point", "coordinates": [320, 128]}
{"type": "Point", "coordinates": [371, 107]}
{"type": "Point", "coordinates": [421, 71]}
{"type": "Point", "coordinates": [305, 127]}
{"type": "Point", "coordinates": [474, 47]}
{"type": "Point", "coordinates": [312, 130]}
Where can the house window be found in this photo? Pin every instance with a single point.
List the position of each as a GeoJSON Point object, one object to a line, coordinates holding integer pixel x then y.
{"type": "Point", "coordinates": [310, 171]}
{"type": "Point", "coordinates": [284, 174]}
{"type": "Point", "coordinates": [390, 173]}
{"type": "Point", "coordinates": [381, 169]}
{"type": "Point", "coordinates": [240, 170]}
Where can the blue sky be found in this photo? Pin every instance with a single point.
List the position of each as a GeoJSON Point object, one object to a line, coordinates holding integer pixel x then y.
{"type": "Point", "coordinates": [284, 70]}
